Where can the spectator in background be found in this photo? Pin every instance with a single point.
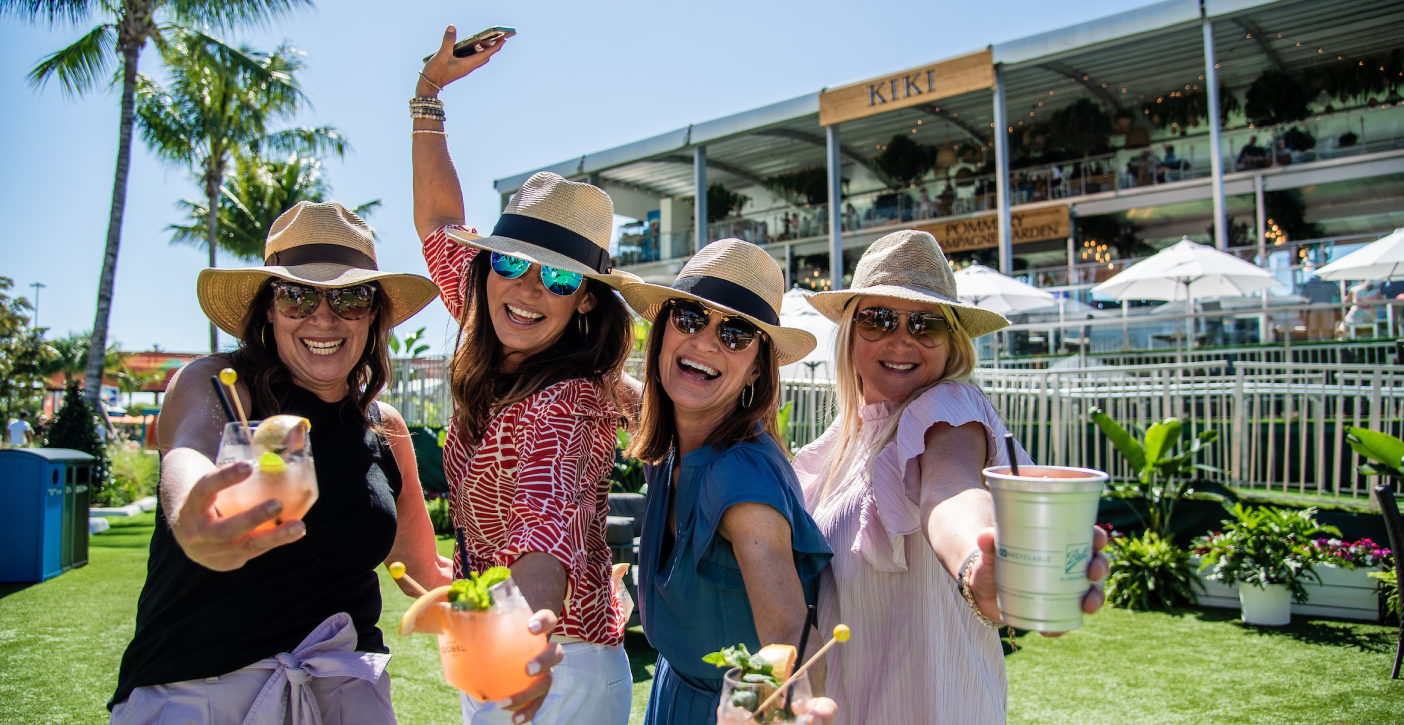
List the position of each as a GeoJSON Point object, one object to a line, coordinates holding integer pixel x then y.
{"type": "Point", "coordinates": [41, 429]}
{"type": "Point", "coordinates": [1252, 155]}
{"type": "Point", "coordinates": [21, 434]}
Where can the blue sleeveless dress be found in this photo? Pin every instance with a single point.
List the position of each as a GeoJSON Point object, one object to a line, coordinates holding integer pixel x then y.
{"type": "Point", "coordinates": [692, 595]}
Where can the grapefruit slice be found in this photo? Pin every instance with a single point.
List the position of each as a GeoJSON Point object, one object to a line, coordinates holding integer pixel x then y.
{"type": "Point", "coordinates": [781, 658]}
{"type": "Point", "coordinates": [274, 432]}
{"type": "Point", "coordinates": [425, 615]}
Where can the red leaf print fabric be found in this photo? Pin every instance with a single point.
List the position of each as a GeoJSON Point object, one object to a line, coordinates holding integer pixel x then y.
{"type": "Point", "coordinates": [538, 480]}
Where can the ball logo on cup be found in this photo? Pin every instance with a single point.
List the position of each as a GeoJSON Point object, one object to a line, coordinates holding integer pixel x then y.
{"type": "Point", "coordinates": [1075, 556]}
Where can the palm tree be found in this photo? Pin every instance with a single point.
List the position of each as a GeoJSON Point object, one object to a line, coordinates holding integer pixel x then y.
{"type": "Point", "coordinates": [84, 66]}
{"type": "Point", "coordinates": [255, 193]}
{"type": "Point", "coordinates": [217, 106]}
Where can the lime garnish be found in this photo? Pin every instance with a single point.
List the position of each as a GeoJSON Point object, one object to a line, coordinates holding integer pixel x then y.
{"type": "Point", "coordinates": [271, 462]}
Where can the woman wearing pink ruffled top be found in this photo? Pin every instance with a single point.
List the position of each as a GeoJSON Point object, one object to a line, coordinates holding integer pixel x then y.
{"type": "Point", "coordinates": [895, 486]}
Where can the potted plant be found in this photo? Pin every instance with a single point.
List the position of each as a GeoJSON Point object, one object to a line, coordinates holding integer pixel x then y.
{"type": "Point", "coordinates": [1269, 553]}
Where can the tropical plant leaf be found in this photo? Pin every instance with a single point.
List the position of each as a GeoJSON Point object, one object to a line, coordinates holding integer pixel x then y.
{"type": "Point", "coordinates": [1380, 447]}
{"type": "Point", "coordinates": [1372, 469]}
{"type": "Point", "coordinates": [80, 66]}
{"type": "Point", "coordinates": [1128, 446]}
{"type": "Point", "coordinates": [1161, 439]}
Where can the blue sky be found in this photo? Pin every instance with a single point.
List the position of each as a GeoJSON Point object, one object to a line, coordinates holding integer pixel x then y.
{"type": "Point", "coordinates": [580, 77]}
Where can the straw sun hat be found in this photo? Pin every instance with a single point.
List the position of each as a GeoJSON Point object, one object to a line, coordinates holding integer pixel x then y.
{"type": "Point", "coordinates": [321, 244]}
{"type": "Point", "coordinates": [556, 223]}
{"type": "Point", "coordinates": [908, 265]}
{"type": "Point", "coordinates": [733, 277]}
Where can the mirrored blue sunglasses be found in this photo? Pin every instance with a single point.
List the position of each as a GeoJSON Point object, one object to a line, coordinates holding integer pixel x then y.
{"type": "Point", "coordinates": [558, 281]}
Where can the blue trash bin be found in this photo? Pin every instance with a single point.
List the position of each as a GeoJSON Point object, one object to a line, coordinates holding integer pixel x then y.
{"type": "Point", "coordinates": [35, 484]}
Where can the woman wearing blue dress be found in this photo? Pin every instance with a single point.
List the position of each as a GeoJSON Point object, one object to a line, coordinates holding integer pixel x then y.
{"type": "Point", "coordinates": [728, 554]}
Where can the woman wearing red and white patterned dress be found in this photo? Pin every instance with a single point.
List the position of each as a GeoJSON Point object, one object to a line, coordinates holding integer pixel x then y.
{"type": "Point", "coordinates": [529, 451]}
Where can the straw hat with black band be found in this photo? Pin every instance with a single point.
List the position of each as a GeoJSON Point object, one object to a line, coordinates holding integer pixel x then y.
{"type": "Point", "coordinates": [908, 265]}
{"type": "Point", "coordinates": [733, 277]}
{"type": "Point", "coordinates": [557, 223]}
{"type": "Point", "coordinates": [319, 244]}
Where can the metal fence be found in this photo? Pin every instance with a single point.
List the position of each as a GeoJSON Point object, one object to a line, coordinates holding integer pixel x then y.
{"type": "Point", "coordinates": [1281, 424]}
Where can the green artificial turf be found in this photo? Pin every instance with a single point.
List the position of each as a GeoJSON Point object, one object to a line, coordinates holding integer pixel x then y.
{"type": "Point", "coordinates": [61, 642]}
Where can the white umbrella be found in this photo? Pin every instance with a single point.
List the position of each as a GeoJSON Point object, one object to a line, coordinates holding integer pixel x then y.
{"type": "Point", "coordinates": [990, 290]}
{"type": "Point", "coordinates": [1187, 271]}
{"type": "Point", "coordinates": [1381, 259]}
{"type": "Point", "coordinates": [795, 311]}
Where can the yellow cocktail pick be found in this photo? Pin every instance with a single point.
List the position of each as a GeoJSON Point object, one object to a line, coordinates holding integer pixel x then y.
{"type": "Point", "coordinates": [841, 634]}
{"type": "Point", "coordinates": [397, 572]}
{"type": "Point", "coordinates": [228, 377]}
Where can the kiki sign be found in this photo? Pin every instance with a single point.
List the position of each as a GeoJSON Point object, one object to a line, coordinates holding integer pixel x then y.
{"type": "Point", "coordinates": [934, 82]}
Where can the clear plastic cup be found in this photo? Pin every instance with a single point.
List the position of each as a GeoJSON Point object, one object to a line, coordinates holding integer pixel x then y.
{"type": "Point", "coordinates": [739, 700]}
{"type": "Point", "coordinates": [485, 653]}
{"type": "Point", "coordinates": [292, 480]}
{"type": "Point", "coordinates": [1043, 541]}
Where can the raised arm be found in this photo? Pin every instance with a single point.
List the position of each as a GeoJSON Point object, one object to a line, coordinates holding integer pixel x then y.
{"type": "Point", "coordinates": [438, 199]}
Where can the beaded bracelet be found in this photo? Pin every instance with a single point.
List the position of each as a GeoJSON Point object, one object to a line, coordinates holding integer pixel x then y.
{"type": "Point", "coordinates": [965, 591]}
{"type": "Point", "coordinates": [427, 114]}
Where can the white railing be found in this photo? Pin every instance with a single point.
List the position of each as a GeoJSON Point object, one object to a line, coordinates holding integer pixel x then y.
{"type": "Point", "coordinates": [1281, 424]}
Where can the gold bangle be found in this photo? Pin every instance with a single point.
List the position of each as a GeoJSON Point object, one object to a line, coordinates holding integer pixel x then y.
{"type": "Point", "coordinates": [968, 594]}
{"type": "Point", "coordinates": [436, 86]}
{"type": "Point", "coordinates": [425, 130]}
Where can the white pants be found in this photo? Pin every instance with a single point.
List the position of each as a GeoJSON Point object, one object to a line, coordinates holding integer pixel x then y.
{"type": "Point", "coordinates": [592, 685]}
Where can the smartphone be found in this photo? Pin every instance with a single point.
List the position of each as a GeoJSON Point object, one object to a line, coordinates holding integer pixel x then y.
{"type": "Point", "coordinates": [486, 38]}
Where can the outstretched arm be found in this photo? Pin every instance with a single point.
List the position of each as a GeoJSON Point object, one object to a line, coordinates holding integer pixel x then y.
{"type": "Point", "coordinates": [438, 199]}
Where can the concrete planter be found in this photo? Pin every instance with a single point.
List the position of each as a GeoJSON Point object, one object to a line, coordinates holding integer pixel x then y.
{"type": "Point", "coordinates": [1342, 593]}
{"type": "Point", "coordinates": [1270, 605]}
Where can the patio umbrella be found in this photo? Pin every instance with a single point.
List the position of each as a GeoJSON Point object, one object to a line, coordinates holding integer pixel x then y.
{"type": "Point", "coordinates": [795, 311]}
{"type": "Point", "coordinates": [980, 285]}
{"type": "Point", "coordinates": [1381, 259]}
{"type": "Point", "coordinates": [1187, 271]}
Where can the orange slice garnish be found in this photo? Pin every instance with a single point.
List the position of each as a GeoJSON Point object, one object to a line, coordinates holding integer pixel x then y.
{"type": "Point", "coordinates": [425, 615]}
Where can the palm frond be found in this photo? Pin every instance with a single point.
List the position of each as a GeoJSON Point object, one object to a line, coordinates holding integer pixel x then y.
{"type": "Point", "coordinates": [52, 12]}
{"type": "Point", "coordinates": [227, 14]}
{"type": "Point", "coordinates": [168, 132]}
{"type": "Point", "coordinates": [366, 209]}
{"type": "Point", "coordinates": [79, 66]}
{"type": "Point", "coordinates": [304, 141]}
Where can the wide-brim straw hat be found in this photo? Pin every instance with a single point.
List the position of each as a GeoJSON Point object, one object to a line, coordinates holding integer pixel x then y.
{"type": "Point", "coordinates": [320, 244]}
{"type": "Point", "coordinates": [908, 265]}
{"type": "Point", "coordinates": [557, 223]}
{"type": "Point", "coordinates": [733, 277]}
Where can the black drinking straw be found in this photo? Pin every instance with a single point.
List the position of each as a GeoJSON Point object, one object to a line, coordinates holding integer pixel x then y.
{"type": "Point", "coordinates": [1013, 460]}
{"type": "Point", "coordinates": [462, 551]}
{"type": "Point", "coordinates": [804, 640]}
{"type": "Point", "coordinates": [223, 399]}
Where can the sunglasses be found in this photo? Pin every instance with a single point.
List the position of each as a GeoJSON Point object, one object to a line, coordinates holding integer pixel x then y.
{"type": "Point", "coordinates": [929, 328]}
{"type": "Point", "coordinates": [296, 301]}
{"type": "Point", "coordinates": [559, 281]}
{"type": "Point", "coordinates": [736, 333]}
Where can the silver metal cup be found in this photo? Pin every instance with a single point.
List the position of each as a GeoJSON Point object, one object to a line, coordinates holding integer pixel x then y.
{"type": "Point", "coordinates": [1043, 541]}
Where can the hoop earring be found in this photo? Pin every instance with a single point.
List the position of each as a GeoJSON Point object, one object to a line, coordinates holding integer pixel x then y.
{"type": "Point", "coordinates": [263, 338]}
{"type": "Point", "coordinates": [746, 403]}
{"type": "Point", "coordinates": [582, 323]}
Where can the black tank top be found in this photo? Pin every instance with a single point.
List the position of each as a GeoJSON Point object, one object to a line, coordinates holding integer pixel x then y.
{"type": "Point", "coordinates": [194, 623]}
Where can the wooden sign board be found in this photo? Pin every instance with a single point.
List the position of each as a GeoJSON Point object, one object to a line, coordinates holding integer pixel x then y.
{"type": "Point", "coordinates": [982, 232]}
{"type": "Point", "coordinates": [919, 85]}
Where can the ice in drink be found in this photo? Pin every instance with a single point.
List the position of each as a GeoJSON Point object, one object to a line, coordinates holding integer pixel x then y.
{"type": "Point", "coordinates": [281, 457]}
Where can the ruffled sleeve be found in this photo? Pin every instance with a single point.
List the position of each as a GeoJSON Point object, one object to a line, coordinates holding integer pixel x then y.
{"type": "Point", "coordinates": [749, 473]}
{"type": "Point", "coordinates": [887, 514]}
{"type": "Point", "coordinates": [448, 267]}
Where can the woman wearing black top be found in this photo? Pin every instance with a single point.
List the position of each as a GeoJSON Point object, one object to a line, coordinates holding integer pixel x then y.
{"type": "Point", "coordinates": [237, 627]}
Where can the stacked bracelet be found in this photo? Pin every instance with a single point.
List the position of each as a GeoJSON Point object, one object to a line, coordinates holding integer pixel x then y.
{"type": "Point", "coordinates": [965, 571]}
{"type": "Point", "coordinates": [427, 108]}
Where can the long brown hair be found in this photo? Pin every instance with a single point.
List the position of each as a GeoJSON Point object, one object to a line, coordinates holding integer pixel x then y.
{"type": "Point", "coordinates": [481, 388]}
{"type": "Point", "coordinates": [269, 382]}
{"type": "Point", "coordinates": [658, 428]}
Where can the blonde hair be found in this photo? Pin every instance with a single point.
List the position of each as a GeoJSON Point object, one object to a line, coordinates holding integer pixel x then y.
{"type": "Point", "coordinates": [960, 363]}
